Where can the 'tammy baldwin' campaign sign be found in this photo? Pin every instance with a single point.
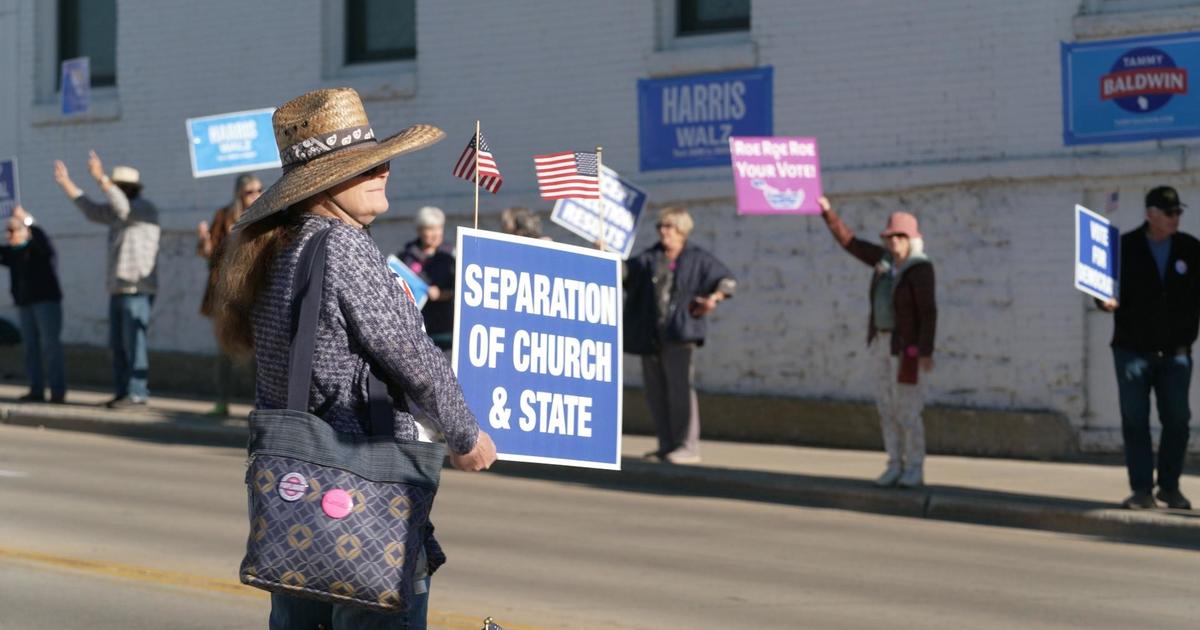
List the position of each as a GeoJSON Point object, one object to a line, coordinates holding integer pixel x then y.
{"type": "Point", "coordinates": [776, 175]}
{"type": "Point", "coordinates": [537, 347]}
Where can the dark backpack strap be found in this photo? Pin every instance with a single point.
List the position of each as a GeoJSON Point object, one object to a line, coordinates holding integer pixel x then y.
{"type": "Point", "coordinates": [308, 287]}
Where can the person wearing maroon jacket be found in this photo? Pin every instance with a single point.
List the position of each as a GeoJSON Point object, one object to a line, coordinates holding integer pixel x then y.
{"type": "Point", "coordinates": [900, 333]}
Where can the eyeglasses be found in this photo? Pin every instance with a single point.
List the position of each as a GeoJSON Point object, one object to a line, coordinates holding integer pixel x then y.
{"type": "Point", "coordinates": [664, 225]}
{"type": "Point", "coordinates": [252, 191]}
{"type": "Point", "coordinates": [1172, 212]}
{"type": "Point", "coordinates": [904, 236]}
{"type": "Point", "coordinates": [386, 167]}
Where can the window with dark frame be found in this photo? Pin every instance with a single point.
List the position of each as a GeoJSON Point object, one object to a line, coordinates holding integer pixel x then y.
{"type": "Point", "coordinates": [88, 28]}
{"type": "Point", "coordinates": [380, 30]}
{"type": "Point", "coordinates": [703, 17]}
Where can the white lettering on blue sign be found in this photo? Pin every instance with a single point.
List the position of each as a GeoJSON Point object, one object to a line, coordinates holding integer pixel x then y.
{"type": "Point", "coordinates": [1099, 257]}
{"type": "Point", "coordinates": [1099, 233]}
{"type": "Point", "coordinates": [497, 288]}
{"type": "Point", "coordinates": [703, 102]}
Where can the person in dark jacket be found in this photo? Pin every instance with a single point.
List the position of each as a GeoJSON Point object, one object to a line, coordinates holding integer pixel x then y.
{"type": "Point", "coordinates": [669, 289]}
{"type": "Point", "coordinates": [900, 332]}
{"type": "Point", "coordinates": [31, 260]}
{"type": "Point", "coordinates": [430, 257]}
{"type": "Point", "coordinates": [1154, 326]}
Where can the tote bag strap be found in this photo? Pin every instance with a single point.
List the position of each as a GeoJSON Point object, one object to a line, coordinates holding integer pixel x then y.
{"type": "Point", "coordinates": [308, 287]}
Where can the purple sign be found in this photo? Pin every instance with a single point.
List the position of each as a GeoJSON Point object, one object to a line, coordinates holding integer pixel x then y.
{"type": "Point", "coordinates": [776, 175]}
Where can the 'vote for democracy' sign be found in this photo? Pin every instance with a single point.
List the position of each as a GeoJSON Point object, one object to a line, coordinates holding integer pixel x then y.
{"type": "Point", "coordinates": [780, 175]}
{"type": "Point", "coordinates": [537, 347]}
{"type": "Point", "coordinates": [1097, 254]}
{"type": "Point", "coordinates": [1125, 90]}
{"type": "Point", "coordinates": [232, 143]}
{"type": "Point", "coordinates": [686, 122]}
{"type": "Point", "coordinates": [623, 204]}
{"type": "Point", "coordinates": [10, 195]}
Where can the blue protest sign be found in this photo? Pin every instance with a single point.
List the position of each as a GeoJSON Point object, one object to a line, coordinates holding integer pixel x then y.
{"type": "Point", "coordinates": [416, 286]}
{"type": "Point", "coordinates": [686, 122]}
{"type": "Point", "coordinates": [232, 143]}
{"type": "Point", "coordinates": [10, 194]}
{"type": "Point", "coordinates": [1124, 90]}
{"type": "Point", "coordinates": [537, 347]}
{"type": "Point", "coordinates": [75, 85]}
{"type": "Point", "coordinates": [617, 218]}
{"type": "Point", "coordinates": [1097, 254]}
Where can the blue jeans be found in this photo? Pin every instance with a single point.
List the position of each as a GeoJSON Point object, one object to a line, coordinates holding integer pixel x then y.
{"type": "Point", "coordinates": [1169, 376]}
{"type": "Point", "coordinates": [128, 322]}
{"type": "Point", "coordinates": [41, 331]}
{"type": "Point", "coordinates": [295, 613]}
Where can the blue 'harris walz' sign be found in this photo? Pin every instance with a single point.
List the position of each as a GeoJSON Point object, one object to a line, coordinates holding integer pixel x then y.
{"type": "Point", "coordinates": [1125, 90]}
{"type": "Point", "coordinates": [685, 122]}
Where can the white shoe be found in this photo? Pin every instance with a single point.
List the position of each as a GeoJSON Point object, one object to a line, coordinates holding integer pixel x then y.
{"type": "Point", "coordinates": [912, 478]}
{"type": "Point", "coordinates": [682, 457]}
{"type": "Point", "coordinates": [889, 477]}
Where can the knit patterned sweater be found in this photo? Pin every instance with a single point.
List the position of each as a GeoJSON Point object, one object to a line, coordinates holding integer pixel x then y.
{"type": "Point", "coordinates": [366, 320]}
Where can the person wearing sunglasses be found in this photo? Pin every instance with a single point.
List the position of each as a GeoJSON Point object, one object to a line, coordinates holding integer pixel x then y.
{"type": "Point", "coordinates": [210, 243]}
{"type": "Point", "coordinates": [32, 262]}
{"type": "Point", "coordinates": [669, 289]}
{"type": "Point", "coordinates": [1155, 318]}
{"type": "Point", "coordinates": [900, 336]}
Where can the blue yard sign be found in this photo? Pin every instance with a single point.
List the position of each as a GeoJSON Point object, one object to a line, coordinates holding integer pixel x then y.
{"type": "Point", "coordinates": [232, 143]}
{"type": "Point", "coordinates": [75, 84]}
{"type": "Point", "coordinates": [1097, 254]}
{"type": "Point", "coordinates": [1124, 90]}
{"type": "Point", "coordinates": [10, 193]}
{"type": "Point", "coordinates": [686, 122]}
{"type": "Point", "coordinates": [617, 217]}
{"type": "Point", "coordinates": [537, 347]}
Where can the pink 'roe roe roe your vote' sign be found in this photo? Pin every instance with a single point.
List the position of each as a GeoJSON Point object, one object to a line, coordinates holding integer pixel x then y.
{"type": "Point", "coordinates": [776, 175]}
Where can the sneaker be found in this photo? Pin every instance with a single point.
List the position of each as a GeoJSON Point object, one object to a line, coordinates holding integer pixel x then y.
{"type": "Point", "coordinates": [1139, 501]}
{"type": "Point", "coordinates": [32, 398]}
{"type": "Point", "coordinates": [890, 476]}
{"type": "Point", "coordinates": [125, 402]}
{"type": "Point", "coordinates": [682, 457]}
{"type": "Point", "coordinates": [1174, 499]}
{"type": "Point", "coordinates": [58, 399]}
{"type": "Point", "coordinates": [652, 456]}
{"type": "Point", "coordinates": [912, 478]}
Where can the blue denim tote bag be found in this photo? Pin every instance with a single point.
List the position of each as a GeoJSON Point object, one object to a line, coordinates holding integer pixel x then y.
{"type": "Point", "coordinates": [337, 517]}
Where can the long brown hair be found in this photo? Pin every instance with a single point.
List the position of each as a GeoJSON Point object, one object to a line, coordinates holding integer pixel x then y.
{"type": "Point", "coordinates": [245, 271]}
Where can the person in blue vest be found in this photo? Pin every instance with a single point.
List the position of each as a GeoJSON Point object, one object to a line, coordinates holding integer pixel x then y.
{"type": "Point", "coordinates": [1154, 326]}
{"type": "Point", "coordinates": [32, 263]}
{"type": "Point", "coordinates": [669, 290]}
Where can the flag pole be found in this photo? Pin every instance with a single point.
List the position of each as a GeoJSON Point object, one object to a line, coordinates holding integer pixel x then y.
{"type": "Point", "coordinates": [477, 174]}
{"type": "Point", "coordinates": [600, 198]}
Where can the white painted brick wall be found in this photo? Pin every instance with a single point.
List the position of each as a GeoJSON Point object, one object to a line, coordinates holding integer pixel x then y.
{"type": "Point", "coordinates": [946, 108]}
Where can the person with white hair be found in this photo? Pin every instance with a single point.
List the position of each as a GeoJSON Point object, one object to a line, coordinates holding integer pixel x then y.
{"type": "Point", "coordinates": [430, 257]}
{"type": "Point", "coordinates": [900, 333]}
{"type": "Point", "coordinates": [133, 235]}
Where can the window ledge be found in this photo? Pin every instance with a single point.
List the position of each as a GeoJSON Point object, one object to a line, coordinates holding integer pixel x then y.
{"type": "Point", "coordinates": [697, 58]}
{"type": "Point", "coordinates": [387, 81]}
{"type": "Point", "coordinates": [105, 106]}
{"type": "Point", "coordinates": [1131, 23]}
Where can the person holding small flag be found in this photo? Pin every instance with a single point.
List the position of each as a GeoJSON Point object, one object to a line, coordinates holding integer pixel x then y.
{"type": "Point", "coordinates": [900, 335]}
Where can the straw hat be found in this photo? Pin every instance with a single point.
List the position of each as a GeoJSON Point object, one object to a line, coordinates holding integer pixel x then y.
{"type": "Point", "coordinates": [324, 139]}
{"type": "Point", "coordinates": [126, 175]}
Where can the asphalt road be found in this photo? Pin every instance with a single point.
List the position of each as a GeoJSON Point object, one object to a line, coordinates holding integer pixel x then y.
{"type": "Point", "coordinates": [99, 532]}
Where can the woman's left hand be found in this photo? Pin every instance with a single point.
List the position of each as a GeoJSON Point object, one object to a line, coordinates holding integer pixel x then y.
{"type": "Point", "coordinates": [926, 364]}
{"type": "Point", "coordinates": [702, 305]}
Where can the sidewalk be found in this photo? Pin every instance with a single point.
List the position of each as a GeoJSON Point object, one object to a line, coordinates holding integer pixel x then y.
{"type": "Point", "coordinates": [1074, 498]}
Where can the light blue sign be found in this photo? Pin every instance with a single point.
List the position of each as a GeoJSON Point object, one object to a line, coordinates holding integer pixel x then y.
{"type": "Point", "coordinates": [615, 221]}
{"type": "Point", "coordinates": [232, 143]}
{"type": "Point", "coordinates": [686, 122]}
{"type": "Point", "coordinates": [537, 347]}
{"type": "Point", "coordinates": [1097, 254]}
{"type": "Point", "coordinates": [417, 288]}
{"type": "Point", "coordinates": [1124, 90]}
{"type": "Point", "coordinates": [75, 85]}
{"type": "Point", "coordinates": [10, 194]}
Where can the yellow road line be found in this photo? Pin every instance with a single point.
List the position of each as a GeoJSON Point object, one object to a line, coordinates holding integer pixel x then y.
{"type": "Point", "coordinates": [447, 620]}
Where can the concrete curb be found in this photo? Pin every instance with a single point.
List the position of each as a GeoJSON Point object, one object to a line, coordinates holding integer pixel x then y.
{"type": "Point", "coordinates": [946, 503]}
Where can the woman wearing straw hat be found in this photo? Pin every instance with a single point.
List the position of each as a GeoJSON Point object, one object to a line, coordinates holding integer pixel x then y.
{"type": "Point", "coordinates": [900, 332]}
{"type": "Point", "coordinates": [334, 176]}
{"type": "Point", "coordinates": [210, 244]}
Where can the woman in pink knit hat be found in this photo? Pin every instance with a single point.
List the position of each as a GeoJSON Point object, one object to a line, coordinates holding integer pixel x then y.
{"type": "Point", "coordinates": [900, 335]}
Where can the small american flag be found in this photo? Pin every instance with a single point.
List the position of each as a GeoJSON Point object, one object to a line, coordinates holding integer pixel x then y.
{"type": "Point", "coordinates": [1111, 202]}
{"type": "Point", "coordinates": [567, 175]}
{"type": "Point", "coordinates": [489, 173]}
